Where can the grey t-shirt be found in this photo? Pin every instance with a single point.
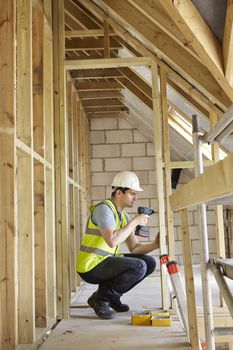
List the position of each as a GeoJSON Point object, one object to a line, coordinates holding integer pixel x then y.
{"type": "Point", "coordinates": [104, 217]}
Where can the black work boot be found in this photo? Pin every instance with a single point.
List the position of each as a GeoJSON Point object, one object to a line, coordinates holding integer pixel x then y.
{"type": "Point", "coordinates": [117, 305]}
{"type": "Point", "coordinates": [100, 307]}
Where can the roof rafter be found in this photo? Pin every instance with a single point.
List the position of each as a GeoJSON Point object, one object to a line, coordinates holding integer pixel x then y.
{"type": "Point", "coordinates": [188, 98]}
{"type": "Point", "coordinates": [198, 34]}
{"type": "Point", "coordinates": [195, 72]}
{"type": "Point", "coordinates": [185, 85]}
{"type": "Point", "coordinates": [152, 10]}
{"type": "Point", "coordinates": [200, 37]}
{"type": "Point", "coordinates": [126, 83]}
{"type": "Point", "coordinates": [137, 80]}
{"type": "Point", "coordinates": [228, 43]}
{"type": "Point", "coordinates": [78, 16]}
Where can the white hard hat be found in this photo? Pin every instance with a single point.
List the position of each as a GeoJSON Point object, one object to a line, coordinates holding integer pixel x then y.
{"type": "Point", "coordinates": [126, 179]}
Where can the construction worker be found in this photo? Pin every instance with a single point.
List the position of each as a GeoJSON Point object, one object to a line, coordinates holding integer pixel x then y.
{"type": "Point", "coordinates": [98, 261]}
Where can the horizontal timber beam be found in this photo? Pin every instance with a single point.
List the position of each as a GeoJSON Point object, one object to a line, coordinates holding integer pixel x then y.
{"type": "Point", "coordinates": [97, 86]}
{"type": "Point", "coordinates": [88, 44]}
{"type": "Point", "coordinates": [88, 95]}
{"type": "Point", "coordinates": [108, 115]}
{"type": "Point", "coordinates": [106, 109]}
{"type": "Point", "coordinates": [85, 33]}
{"type": "Point", "coordinates": [107, 63]}
{"type": "Point", "coordinates": [188, 164]}
{"type": "Point", "coordinates": [96, 74]}
{"type": "Point", "coordinates": [215, 182]}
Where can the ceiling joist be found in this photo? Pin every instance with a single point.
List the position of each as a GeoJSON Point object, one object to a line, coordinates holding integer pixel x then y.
{"type": "Point", "coordinates": [86, 33]}
{"type": "Point", "coordinates": [88, 95]}
{"type": "Point", "coordinates": [96, 74]}
{"type": "Point", "coordinates": [90, 44]}
{"type": "Point", "coordinates": [107, 63]}
{"type": "Point", "coordinates": [106, 109]}
{"type": "Point", "coordinates": [102, 103]}
{"type": "Point", "coordinates": [97, 86]}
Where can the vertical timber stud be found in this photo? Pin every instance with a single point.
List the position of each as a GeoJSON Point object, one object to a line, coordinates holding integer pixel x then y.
{"type": "Point", "coordinates": [63, 293]}
{"type": "Point", "coordinates": [106, 39]}
{"type": "Point", "coordinates": [189, 281]}
{"type": "Point", "coordinates": [39, 169]}
{"type": "Point", "coordinates": [219, 226]}
{"type": "Point", "coordinates": [8, 229]}
{"type": "Point", "coordinates": [26, 244]}
{"type": "Point", "coordinates": [76, 189]}
{"type": "Point", "coordinates": [204, 253]}
{"type": "Point", "coordinates": [159, 175]}
{"type": "Point", "coordinates": [167, 169]}
{"type": "Point", "coordinates": [49, 156]}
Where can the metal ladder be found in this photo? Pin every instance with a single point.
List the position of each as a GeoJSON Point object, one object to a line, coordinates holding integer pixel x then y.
{"type": "Point", "coordinates": [177, 292]}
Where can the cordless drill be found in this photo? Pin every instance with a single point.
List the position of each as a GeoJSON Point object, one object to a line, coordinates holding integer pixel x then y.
{"type": "Point", "coordinates": [143, 230]}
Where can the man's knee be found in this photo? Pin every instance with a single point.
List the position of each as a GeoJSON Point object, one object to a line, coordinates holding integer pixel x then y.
{"type": "Point", "coordinates": [151, 264]}
{"type": "Point", "coordinates": [142, 267]}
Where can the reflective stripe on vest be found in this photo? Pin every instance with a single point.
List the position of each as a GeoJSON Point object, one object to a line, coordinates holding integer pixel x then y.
{"type": "Point", "coordinates": [93, 231]}
{"type": "Point", "coordinates": [94, 248]}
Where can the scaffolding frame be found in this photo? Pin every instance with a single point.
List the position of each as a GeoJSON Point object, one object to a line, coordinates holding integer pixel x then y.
{"type": "Point", "coordinates": [197, 192]}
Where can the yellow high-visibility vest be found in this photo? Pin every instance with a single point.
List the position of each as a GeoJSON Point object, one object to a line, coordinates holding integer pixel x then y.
{"type": "Point", "coordinates": [94, 248]}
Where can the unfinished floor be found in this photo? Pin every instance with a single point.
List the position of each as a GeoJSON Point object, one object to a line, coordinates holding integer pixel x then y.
{"type": "Point", "coordinates": [84, 331]}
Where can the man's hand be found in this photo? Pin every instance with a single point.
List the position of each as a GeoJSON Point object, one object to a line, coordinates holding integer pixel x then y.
{"type": "Point", "coordinates": [142, 219]}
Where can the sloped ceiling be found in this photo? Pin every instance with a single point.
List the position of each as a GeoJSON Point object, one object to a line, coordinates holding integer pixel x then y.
{"type": "Point", "coordinates": [214, 13]}
{"type": "Point", "coordinates": [191, 40]}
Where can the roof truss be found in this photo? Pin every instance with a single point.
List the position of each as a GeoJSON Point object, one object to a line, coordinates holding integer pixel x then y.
{"type": "Point", "coordinates": [157, 31]}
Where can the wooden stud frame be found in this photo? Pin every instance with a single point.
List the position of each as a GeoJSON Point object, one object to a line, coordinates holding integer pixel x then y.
{"type": "Point", "coordinates": [28, 268]}
{"type": "Point", "coordinates": [60, 127]}
{"type": "Point", "coordinates": [159, 175]}
{"type": "Point", "coordinates": [167, 166]}
{"type": "Point", "coordinates": [8, 219]}
{"type": "Point", "coordinates": [34, 281]}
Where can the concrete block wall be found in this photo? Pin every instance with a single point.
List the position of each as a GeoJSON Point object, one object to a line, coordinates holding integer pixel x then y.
{"type": "Point", "coordinates": [116, 145]}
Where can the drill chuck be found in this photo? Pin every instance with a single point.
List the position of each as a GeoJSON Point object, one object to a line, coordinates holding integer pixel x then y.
{"type": "Point", "coordinates": [145, 210]}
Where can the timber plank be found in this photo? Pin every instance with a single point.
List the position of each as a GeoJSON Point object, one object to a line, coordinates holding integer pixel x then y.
{"type": "Point", "coordinates": [8, 219]}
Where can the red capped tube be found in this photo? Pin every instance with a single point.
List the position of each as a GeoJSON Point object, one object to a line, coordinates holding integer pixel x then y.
{"type": "Point", "coordinates": [164, 259]}
{"type": "Point", "coordinates": [172, 267]}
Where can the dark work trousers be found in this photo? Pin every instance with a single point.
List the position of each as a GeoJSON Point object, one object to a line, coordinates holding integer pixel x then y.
{"type": "Point", "coordinates": [117, 275]}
